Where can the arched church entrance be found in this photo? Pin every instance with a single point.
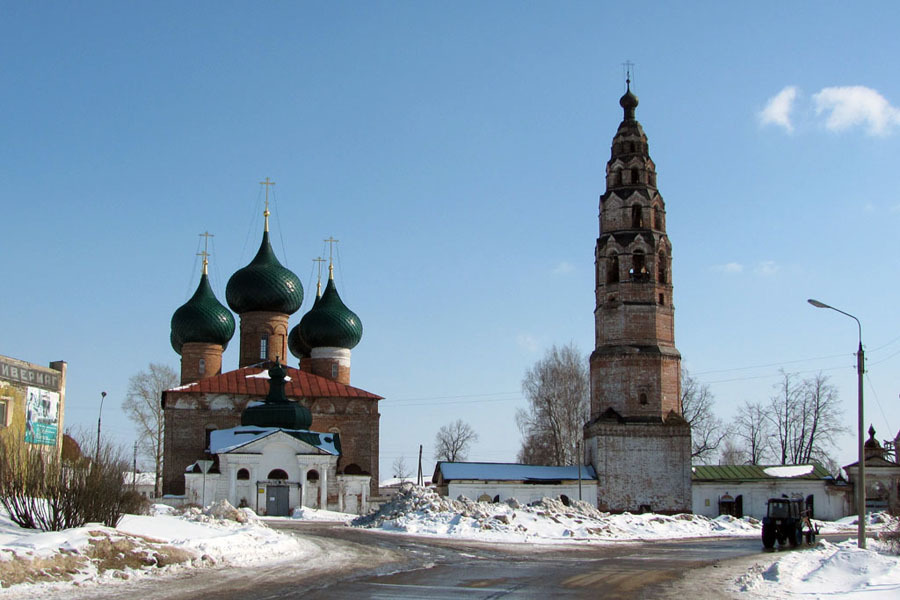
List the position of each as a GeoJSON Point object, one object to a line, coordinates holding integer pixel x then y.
{"type": "Point", "coordinates": [278, 494]}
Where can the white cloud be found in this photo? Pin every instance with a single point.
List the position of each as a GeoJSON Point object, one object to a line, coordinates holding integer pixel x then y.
{"type": "Point", "coordinates": [766, 268]}
{"type": "Point", "coordinates": [778, 109]}
{"type": "Point", "coordinates": [563, 268]}
{"type": "Point", "coordinates": [856, 105]}
{"type": "Point", "coordinates": [527, 342]}
{"type": "Point", "coordinates": [731, 267]}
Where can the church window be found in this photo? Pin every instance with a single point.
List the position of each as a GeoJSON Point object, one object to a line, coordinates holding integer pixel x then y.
{"type": "Point", "coordinates": [662, 299]}
{"type": "Point", "coordinates": [243, 475]}
{"type": "Point", "coordinates": [353, 469]}
{"type": "Point", "coordinates": [278, 474]}
{"type": "Point", "coordinates": [334, 370]}
{"type": "Point", "coordinates": [635, 176]}
{"type": "Point", "coordinates": [209, 430]}
{"type": "Point", "coordinates": [264, 346]}
{"type": "Point", "coordinates": [312, 475]}
{"type": "Point", "coordinates": [612, 269]}
{"type": "Point", "coordinates": [637, 217]}
{"type": "Point", "coordinates": [657, 224]}
{"type": "Point", "coordinates": [662, 269]}
{"type": "Point", "coordinates": [642, 398]}
{"type": "Point", "coordinates": [639, 270]}
{"type": "Point", "coordinates": [201, 366]}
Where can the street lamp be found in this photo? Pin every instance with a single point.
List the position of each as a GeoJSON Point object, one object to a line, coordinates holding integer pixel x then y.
{"type": "Point", "coordinates": [99, 416]}
{"type": "Point", "coordinates": [861, 463]}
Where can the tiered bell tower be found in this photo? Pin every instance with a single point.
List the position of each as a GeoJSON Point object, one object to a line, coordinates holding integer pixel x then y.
{"type": "Point", "coordinates": [637, 439]}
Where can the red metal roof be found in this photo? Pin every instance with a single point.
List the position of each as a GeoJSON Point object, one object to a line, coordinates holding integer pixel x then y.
{"type": "Point", "coordinates": [301, 384]}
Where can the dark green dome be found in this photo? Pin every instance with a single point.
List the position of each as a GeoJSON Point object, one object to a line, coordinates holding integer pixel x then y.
{"type": "Point", "coordinates": [264, 285]}
{"type": "Point", "coordinates": [276, 410]}
{"type": "Point", "coordinates": [296, 345]}
{"type": "Point", "coordinates": [202, 319]}
{"type": "Point", "coordinates": [330, 324]}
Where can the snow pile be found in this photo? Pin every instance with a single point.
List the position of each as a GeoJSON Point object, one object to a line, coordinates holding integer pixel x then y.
{"type": "Point", "coordinates": [833, 570]}
{"type": "Point", "coordinates": [139, 546]}
{"type": "Point", "coordinates": [314, 514]}
{"type": "Point", "coordinates": [422, 511]}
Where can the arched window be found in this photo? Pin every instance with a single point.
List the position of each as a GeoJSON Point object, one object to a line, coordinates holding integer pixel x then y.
{"type": "Point", "coordinates": [642, 398]}
{"type": "Point", "coordinates": [353, 469]}
{"type": "Point", "coordinates": [635, 176]}
{"type": "Point", "coordinates": [208, 435]}
{"type": "Point", "coordinates": [612, 268]}
{"type": "Point", "coordinates": [243, 475]}
{"type": "Point", "coordinates": [201, 366]}
{"type": "Point", "coordinates": [312, 475]}
{"type": "Point", "coordinates": [279, 474]}
{"type": "Point", "coordinates": [662, 269]}
{"type": "Point", "coordinates": [639, 270]}
{"type": "Point", "coordinates": [637, 218]}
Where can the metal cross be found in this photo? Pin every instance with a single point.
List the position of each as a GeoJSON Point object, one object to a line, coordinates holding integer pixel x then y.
{"type": "Point", "coordinates": [205, 252]}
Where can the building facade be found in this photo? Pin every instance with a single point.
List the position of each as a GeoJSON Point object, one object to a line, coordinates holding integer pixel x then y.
{"type": "Point", "coordinates": [636, 439]}
{"type": "Point", "coordinates": [264, 294]}
{"type": "Point", "coordinates": [33, 401]}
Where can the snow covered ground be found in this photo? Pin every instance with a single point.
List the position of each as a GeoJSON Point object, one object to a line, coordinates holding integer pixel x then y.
{"type": "Point", "coordinates": [168, 543]}
{"type": "Point", "coordinates": [140, 546]}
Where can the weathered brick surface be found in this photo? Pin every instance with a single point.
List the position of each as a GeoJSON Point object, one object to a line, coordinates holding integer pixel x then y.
{"type": "Point", "coordinates": [636, 440]}
{"type": "Point", "coordinates": [191, 355]}
{"type": "Point", "coordinates": [254, 325]}
{"type": "Point", "coordinates": [641, 466]}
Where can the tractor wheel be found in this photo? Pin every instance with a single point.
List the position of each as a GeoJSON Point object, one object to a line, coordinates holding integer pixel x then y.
{"type": "Point", "coordinates": [795, 536]}
{"type": "Point", "coordinates": [768, 537]}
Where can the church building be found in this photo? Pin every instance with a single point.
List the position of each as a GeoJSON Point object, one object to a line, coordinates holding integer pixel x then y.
{"type": "Point", "coordinates": [267, 435]}
{"type": "Point", "coordinates": [637, 439]}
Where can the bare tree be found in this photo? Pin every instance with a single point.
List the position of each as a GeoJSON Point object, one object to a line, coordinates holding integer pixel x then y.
{"type": "Point", "coordinates": [452, 441]}
{"type": "Point", "coordinates": [752, 427]}
{"type": "Point", "coordinates": [732, 453]}
{"type": "Point", "coordinates": [143, 406]}
{"type": "Point", "coordinates": [558, 393]}
{"type": "Point", "coordinates": [401, 471]}
{"type": "Point", "coordinates": [707, 430]}
{"type": "Point", "coordinates": [805, 417]}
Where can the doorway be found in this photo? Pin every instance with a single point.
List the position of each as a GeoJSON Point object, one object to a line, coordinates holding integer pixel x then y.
{"type": "Point", "coordinates": [277, 500]}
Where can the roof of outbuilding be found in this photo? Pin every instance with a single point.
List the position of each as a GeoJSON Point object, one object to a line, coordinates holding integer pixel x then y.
{"type": "Point", "coordinates": [254, 381]}
{"type": "Point", "coordinates": [509, 472]}
{"type": "Point", "coordinates": [757, 472]}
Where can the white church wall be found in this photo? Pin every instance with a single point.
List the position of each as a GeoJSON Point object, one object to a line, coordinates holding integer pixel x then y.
{"type": "Point", "coordinates": [829, 503]}
{"type": "Point", "coordinates": [524, 493]}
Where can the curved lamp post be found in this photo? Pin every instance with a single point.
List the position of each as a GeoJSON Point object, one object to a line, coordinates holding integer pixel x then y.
{"type": "Point", "coordinates": [861, 464]}
{"type": "Point", "coordinates": [99, 416]}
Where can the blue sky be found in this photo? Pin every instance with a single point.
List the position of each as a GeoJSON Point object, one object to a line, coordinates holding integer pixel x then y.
{"type": "Point", "coordinates": [457, 151]}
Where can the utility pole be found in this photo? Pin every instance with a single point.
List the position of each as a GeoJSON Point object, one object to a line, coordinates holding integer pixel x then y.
{"type": "Point", "coordinates": [134, 469]}
{"type": "Point", "coordinates": [419, 480]}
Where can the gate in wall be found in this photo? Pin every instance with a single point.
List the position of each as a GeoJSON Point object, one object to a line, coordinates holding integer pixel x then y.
{"type": "Point", "coordinates": [277, 500]}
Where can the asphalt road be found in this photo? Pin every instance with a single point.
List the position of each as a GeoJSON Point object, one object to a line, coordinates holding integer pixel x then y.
{"type": "Point", "coordinates": [369, 564]}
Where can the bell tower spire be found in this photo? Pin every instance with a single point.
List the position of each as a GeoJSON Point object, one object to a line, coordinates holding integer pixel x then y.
{"type": "Point", "coordinates": [635, 369]}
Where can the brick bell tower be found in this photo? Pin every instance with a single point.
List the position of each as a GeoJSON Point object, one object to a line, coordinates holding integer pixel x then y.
{"type": "Point", "coordinates": [637, 439]}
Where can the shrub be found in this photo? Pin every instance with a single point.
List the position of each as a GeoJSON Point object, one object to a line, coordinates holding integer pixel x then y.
{"type": "Point", "coordinates": [41, 491]}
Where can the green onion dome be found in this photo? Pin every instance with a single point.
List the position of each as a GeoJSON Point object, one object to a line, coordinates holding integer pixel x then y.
{"type": "Point", "coordinates": [296, 344]}
{"type": "Point", "coordinates": [264, 285]}
{"type": "Point", "coordinates": [329, 323]}
{"type": "Point", "coordinates": [202, 319]}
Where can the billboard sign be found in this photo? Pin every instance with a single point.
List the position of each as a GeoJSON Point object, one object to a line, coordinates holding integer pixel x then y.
{"type": "Point", "coordinates": [41, 416]}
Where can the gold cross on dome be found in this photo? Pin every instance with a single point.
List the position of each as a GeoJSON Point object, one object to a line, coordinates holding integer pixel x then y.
{"type": "Point", "coordinates": [205, 253]}
{"type": "Point", "coordinates": [331, 241]}
{"type": "Point", "coordinates": [266, 213]}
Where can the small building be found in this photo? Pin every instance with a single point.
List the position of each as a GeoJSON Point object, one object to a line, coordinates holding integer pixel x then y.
{"type": "Point", "coordinates": [496, 482]}
{"type": "Point", "coordinates": [882, 474]}
{"type": "Point", "coordinates": [742, 490]}
{"type": "Point", "coordinates": [32, 401]}
{"type": "Point", "coordinates": [274, 464]}
{"type": "Point", "coordinates": [142, 483]}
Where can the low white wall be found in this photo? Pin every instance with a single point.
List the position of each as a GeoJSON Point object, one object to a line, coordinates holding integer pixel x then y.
{"type": "Point", "coordinates": [525, 493]}
{"type": "Point", "coordinates": [829, 502]}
